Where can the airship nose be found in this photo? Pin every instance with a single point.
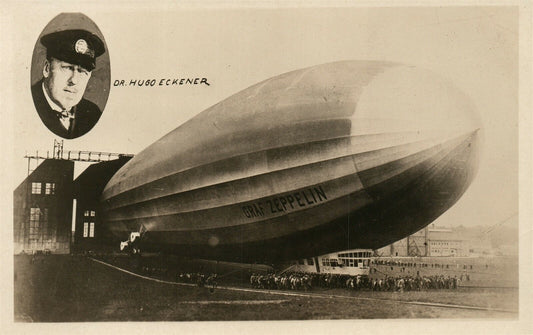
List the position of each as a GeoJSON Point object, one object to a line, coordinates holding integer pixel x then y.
{"type": "Point", "coordinates": [425, 147]}
{"type": "Point", "coordinates": [432, 169]}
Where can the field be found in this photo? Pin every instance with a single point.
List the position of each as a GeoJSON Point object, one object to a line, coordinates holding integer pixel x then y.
{"type": "Point", "coordinates": [76, 288]}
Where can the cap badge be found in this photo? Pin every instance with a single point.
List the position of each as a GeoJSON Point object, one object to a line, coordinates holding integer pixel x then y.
{"type": "Point", "coordinates": [81, 46]}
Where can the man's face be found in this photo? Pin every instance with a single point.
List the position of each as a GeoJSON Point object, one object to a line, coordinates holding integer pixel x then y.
{"type": "Point", "coordinates": [65, 82]}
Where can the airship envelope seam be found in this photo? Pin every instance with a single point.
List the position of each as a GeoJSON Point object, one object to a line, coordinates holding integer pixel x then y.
{"type": "Point", "coordinates": [351, 154]}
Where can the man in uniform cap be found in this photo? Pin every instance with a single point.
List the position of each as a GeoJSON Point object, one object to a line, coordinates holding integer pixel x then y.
{"type": "Point", "coordinates": [58, 97]}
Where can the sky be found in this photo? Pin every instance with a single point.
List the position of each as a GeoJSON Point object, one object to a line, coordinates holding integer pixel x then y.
{"type": "Point", "coordinates": [476, 48]}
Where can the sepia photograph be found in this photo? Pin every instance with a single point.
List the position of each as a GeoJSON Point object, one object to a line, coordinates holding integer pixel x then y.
{"type": "Point", "coordinates": [336, 166]}
{"type": "Point", "coordinates": [63, 64]}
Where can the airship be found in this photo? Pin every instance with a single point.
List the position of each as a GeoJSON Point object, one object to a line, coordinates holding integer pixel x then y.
{"type": "Point", "coordinates": [344, 155]}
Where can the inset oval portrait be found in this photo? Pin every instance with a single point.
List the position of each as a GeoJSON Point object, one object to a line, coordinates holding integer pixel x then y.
{"type": "Point", "coordinates": [70, 75]}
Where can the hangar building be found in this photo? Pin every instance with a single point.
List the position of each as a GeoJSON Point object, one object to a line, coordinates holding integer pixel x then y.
{"type": "Point", "coordinates": [43, 208]}
{"type": "Point", "coordinates": [46, 201]}
{"type": "Point", "coordinates": [87, 190]}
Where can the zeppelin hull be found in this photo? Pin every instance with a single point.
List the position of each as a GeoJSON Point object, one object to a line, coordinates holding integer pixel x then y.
{"type": "Point", "coordinates": [338, 156]}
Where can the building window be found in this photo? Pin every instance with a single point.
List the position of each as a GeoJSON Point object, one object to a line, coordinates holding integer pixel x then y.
{"type": "Point", "coordinates": [91, 230]}
{"type": "Point", "coordinates": [88, 229]}
{"type": "Point", "coordinates": [310, 261]}
{"type": "Point", "coordinates": [38, 223]}
{"type": "Point", "coordinates": [89, 213]}
{"type": "Point", "coordinates": [35, 188]}
{"type": "Point", "coordinates": [34, 214]}
{"type": "Point", "coordinates": [50, 188]}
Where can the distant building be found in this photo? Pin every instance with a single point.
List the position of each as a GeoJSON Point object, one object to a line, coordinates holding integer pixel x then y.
{"type": "Point", "coordinates": [433, 241]}
{"type": "Point", "coordinates": [42, 209]}
{"type": "Point", "coordinates": [446, 243]}
{"type": "Point", "coordinates": [44, 202]}
{"type": "Point", "coordinates": [413, 245]}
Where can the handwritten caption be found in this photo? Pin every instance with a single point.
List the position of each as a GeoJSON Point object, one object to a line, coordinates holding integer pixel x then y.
{"type": "Point", "coordinates": [161, 82]}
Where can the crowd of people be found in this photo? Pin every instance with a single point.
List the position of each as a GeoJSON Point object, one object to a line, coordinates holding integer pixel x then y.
{"type": "Point", "coordinates": [307, 281]}
{"type": "Point", "coordinates": [414, 283]}
{"type": "Point", "coordinates": [292, 281]}
{"type": "Point", "coordinates": [198, 278]}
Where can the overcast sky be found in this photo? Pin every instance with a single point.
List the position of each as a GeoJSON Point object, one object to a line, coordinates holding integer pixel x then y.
{"type": "Point", "coordinates": [475, 48]}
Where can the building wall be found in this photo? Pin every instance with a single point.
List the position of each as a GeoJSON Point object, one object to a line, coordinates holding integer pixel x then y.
{"type": "Point", "coordinates": [88, 234]}
{"type": "Point", "coordinates": [43, 208]}
{"type": "Point", "coordinates": [89, 231]}
{"type": "Point", "coordinates": [414, 245]}
{"type": "Point", "coordinates": [446, 247]}
{"type": "Point", "coordinates": [396, 249]}
{"type": "Point", "coordinates": [441, 242]}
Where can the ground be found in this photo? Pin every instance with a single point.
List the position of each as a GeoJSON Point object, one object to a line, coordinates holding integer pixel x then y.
{"type": "Point", "coordinates": [77, 288]}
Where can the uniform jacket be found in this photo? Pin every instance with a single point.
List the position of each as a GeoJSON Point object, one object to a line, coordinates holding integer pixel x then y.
{"type": "Point", "coordinates": [86, 114]}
